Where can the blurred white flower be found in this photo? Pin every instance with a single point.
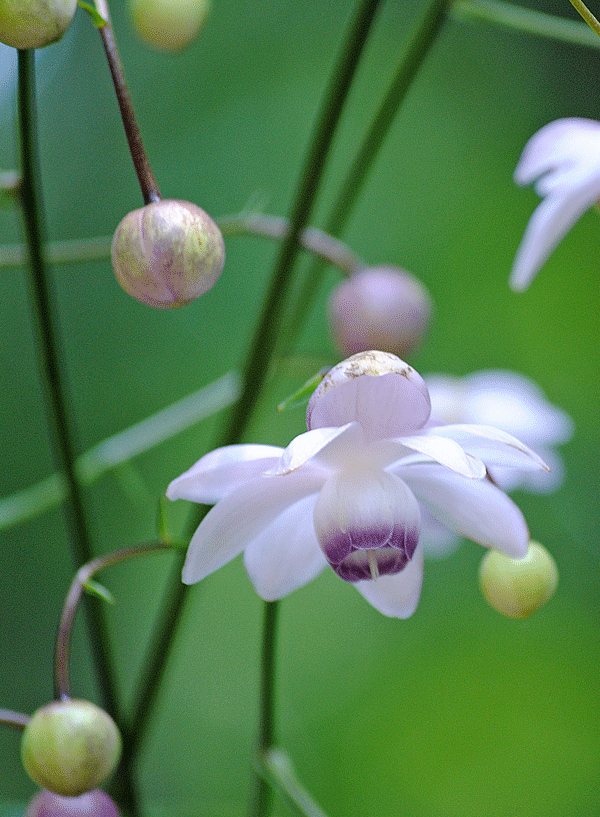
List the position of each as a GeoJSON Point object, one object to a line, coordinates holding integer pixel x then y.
{"type": "Point", "coordinates": [513, 403]}
{"type": "Point", "coordinates": [564, 157]}
{"type": "Point", "coordinates": [347, 491]}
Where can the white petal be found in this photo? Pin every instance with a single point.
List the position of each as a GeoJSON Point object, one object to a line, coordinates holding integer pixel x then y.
{"type": "Point", "coordinates": [446, 452]}
{"type": "Point", "coordinates": [436, 540]}
{"type": "Point", "coordinates": [561, 141]}
{"type": "Point", "coordinates": [239, 518]}
{"type": "Point", "coordinates": [536, 482]}
{"type": "Point", "coordinates": [366, 519]}
{"type": "Point", "coordinates": [286, 555]}
{"type": "Point", "coordinates": [325, 446]}
{"type": "Point", "coordinates": [396, 596]}
{"type": "Point", "coordinates": [475, 509]}
{"type": "Point", "coordinates": [378, 390]}
{"type": "Point", "coordinates": [492, 445]}
{"type": "Point", "coordinates": [221, 471]}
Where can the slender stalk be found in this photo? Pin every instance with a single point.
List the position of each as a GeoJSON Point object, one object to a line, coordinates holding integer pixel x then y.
{"type": "Point", "coordinates": [262, 792]}
{"type": "Point", "coordinates": [141, 163]}
{"type": "Point", "coordinates": [17, 720]}
{"type": "Point", "coordinates": [263, 347]}
{"type": "Point", "coordinates": [587, 15]}
{"type": "Point", "coordinates": [419, 44]}
{"type": "Point", "coordinates": [279, 770]}
{"type": "Point", "coordinates": [49, 354]}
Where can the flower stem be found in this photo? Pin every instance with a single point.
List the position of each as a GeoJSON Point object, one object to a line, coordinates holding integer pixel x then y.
{"type": "Point", "coordinates": [262, 792]}
{"type": "Point", "coordinates": [419, 45]}
{"type": "Point", "coordinates": [48, 349]}
{"type": "Point", "coordinates": [278, 768]}
{"type": "Point", "coordinates": [141, 163]}
{"type": "Point", "coordinates": [266, 336]}
{"type": "Point", "coordinates": [587, 15]}
{"type": "Point", "coordinates": [17, 720]}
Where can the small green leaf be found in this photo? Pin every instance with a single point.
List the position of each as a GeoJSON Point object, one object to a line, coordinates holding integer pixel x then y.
{"type": "Point", "coordinates": [304, 392]}
{"type": "Point", "coordinates": [97, 19]}
{"type": "Point", "coordinates": [97, 589]}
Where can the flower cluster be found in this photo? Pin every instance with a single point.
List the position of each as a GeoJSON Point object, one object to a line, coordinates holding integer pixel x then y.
{"type": "Point", "coordinates": [348, 492]}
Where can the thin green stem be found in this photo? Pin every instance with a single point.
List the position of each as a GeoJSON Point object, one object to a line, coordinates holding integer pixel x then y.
{"type": "Point", "coordinates": [419, 44]}
{"type": "Point", "coordinates": [587, 15]}
{"type": "Point", "coordinates": [49, 355]}
{"type": "Point", "coordinates": [525, 21]}
{"type": "Point", "coordinates": [262, 792]}
{"type": "Point", "coordinates": [265, 338]}
{"type": "Point", "coordinates": [278, 769]}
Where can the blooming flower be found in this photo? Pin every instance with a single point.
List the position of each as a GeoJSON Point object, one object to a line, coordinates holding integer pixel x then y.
{"type": "Point", "coordinates": [513, 403]}
{"type": "Point", "coordinates": [347, 492]}
{"type": "Point", "coordinates": [564, 156]}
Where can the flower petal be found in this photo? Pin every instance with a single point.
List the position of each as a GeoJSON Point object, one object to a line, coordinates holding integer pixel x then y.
{"type": "Point", "coordinates": [378, 390]}
{"type": "Point", "coordinates": [221, 471]}
{"type": "Point", "coordinates": [446, 452]}
{"type": "Point", "coordinates": [396, 596]}
{"type": "Point", "coordinates": [367, 522]}
{"type": "Point", "coordinates": [241, 516]}
{"type": "Point", "coordinates": [286, 555]}
{"type": "Point", "coordinates": [475, 509]}
{"type": "Point", "coordinates": [325, 446]}
{"type": "Point", "coordinates": [493, 446]}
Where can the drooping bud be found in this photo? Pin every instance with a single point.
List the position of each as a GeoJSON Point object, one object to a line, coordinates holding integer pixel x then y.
{"type": "Point", "coordinates": [167, 253]}
{"type": "Point", "coordinates": [377, 389]}
{"type": "Point", "coordinates": [169, 24]}
{"type": "Point", "coordinates": [379, 308]}
{"type": "Point", "coordinates": [94, 803]}
{"type": "Point", "coordinates": [34, 23]}
{"type": "Point", "coordinates": [70, 747]}
{"type": "Point", "coordinates": [518, 587]}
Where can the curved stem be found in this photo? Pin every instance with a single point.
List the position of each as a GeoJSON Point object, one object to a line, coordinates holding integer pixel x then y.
{"type": "Point", "coordinates": [17, 720]}
{"type": "Point", "coordinates": [148, 184]}
{"type": "Point", "coordinates": [48, 349]}
{"type": "Point", "coordinates": [262, 793]}
{"type": "Point", "coordinates": [587, 15]}
{"type": "Point", "coordinates": [419, 45]}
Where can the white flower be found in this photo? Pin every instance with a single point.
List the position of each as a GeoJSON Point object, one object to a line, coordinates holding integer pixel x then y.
{"type": "Point", "coordinates": [513, 403]}
{"type": "Point", "coordinates": [347, 491]}
{"type": "Point", "coordinates": [564, 156]}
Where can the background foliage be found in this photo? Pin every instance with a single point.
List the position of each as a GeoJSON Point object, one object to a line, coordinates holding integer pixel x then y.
{"type": "Point", "coordinates": [455, 711]}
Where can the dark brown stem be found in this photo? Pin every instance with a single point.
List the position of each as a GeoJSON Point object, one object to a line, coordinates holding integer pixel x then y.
{"type": "Point", "coordinates": [148, 184]}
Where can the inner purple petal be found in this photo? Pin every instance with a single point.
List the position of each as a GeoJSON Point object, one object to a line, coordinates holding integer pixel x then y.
{"type": "Point", "coordinates": [346, 551]}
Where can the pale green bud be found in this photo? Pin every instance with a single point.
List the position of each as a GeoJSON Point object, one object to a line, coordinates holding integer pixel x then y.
{"type": "Point", "coordinates": [169, 24]}
{"type": "Point", "coordinates": [518, 587]}
{"type": "Point", "coordinates": [70, 747]}
{"type": "Point", "coordinates": [34, 23]}
{"type": "Point", "coordinates": [167, 253]}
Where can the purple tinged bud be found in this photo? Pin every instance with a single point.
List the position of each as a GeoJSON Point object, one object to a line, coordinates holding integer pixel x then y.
{"type": "Point", "coordinates": [91, 804]}
{"type": "Point", "coordinates": [34, 23]}
{"type": "Point", "coordinates": [167, 253]}
{"type": "Point", "coordinates": [382, 308]}
{"type": "Point", "coordinates": [70, 747]}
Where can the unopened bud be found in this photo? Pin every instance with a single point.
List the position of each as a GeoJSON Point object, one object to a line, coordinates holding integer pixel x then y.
{"type": "Point", "coordinates": [518, 587]}
{"type": "Point", "coordinates": [91, 804]}
{"type": "Point", "coordinates": [169, 24]}
{"type": "Point", "coordinates": [34, 23]}
{"type": "Point", "coordinates": [167, 253]}
{"type": "Point", "coordinates": [379, 308]}
{"type": "Point", "coordinates": [70, 747]}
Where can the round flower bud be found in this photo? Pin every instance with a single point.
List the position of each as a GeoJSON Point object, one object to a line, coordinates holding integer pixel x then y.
{"type": "Point", "coordinates": [34, 23]}
{"type": "Point", "coordinates": [91, 804]}
{"type": "Point", "coordinates": [379, 308]}
{"type": "Point", "coordinates": [518, 587]}
{"type": "Point", "coordinates": [70, 747]}
{"type": "Point", "coordinates": [167, 253]}
{"type": "Point", "coordinates": [169, 24]}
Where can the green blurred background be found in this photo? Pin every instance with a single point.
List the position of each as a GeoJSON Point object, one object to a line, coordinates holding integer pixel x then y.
{"type": "Point", "coordinates": [456, 711]}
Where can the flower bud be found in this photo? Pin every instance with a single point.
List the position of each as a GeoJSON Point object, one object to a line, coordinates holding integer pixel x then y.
{"type": "Point", "coordinates": [169, 24]}
{"type": "Point", "coordinates": [69, 747]}
{"type": "Point", "coordinates": [518, 587]}
{"type": "Point", "coordinates": [167, 253]}
{"type": "Point", "coordinates": [34, 23]}
{"type": "Point", "coordinates": [91, 804]}
{"type": "Point", "coordinates": [379, 308]}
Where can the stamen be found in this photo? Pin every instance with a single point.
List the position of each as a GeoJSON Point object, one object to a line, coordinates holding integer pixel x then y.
{"type": "Point", "coordinates": [373, 567]}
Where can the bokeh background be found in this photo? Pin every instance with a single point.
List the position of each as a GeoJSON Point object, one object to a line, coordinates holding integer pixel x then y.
{"type": "Point", "coordinates": [457, 710]}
